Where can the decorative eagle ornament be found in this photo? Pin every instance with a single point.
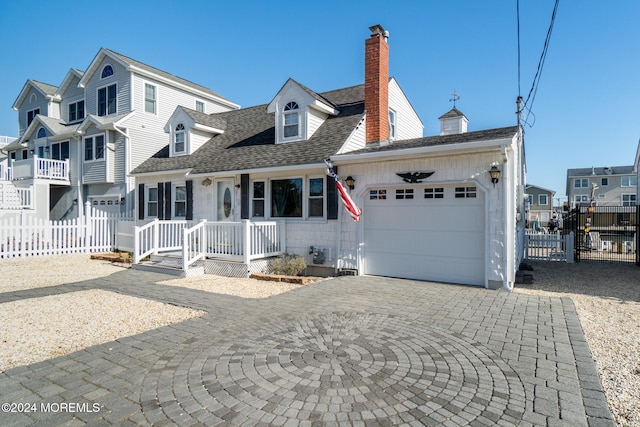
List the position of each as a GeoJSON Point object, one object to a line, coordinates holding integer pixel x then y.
{"type": "Point", "coordinates": [414, 177]}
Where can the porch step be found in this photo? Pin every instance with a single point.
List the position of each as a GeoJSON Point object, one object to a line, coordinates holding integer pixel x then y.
{"type": "Point", "coordinates": [170, 264]}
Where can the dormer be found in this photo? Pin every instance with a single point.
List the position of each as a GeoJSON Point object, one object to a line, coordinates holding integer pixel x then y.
{"type": "Point", "coordinates": [189, 129]}
{"type": "Point", "coordinates": [299, 112]}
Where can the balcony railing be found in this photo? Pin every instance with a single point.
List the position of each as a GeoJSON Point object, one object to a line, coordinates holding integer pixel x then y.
{"type": "Point", "coordinates": [36, 167]}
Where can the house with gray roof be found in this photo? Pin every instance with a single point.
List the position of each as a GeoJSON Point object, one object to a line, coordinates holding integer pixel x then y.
{"type": "Point", "coordinates": [604, 186]}
{"type": "Point", "coordinates": [249, 183]}
{"type": "Point", "coordinates": [79, 141]}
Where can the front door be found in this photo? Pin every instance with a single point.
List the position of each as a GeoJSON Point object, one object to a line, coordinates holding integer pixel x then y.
{"type": "Point", "coordinates": [225, 202]}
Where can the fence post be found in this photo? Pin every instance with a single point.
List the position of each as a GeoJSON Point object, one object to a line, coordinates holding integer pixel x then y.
{"type": "Point", "coordinates": [87, 226]}
{"type": "Point", "coordinates": [156, 236]}
{"type": "Point", "coordinates": [185, 248]}
{"type": "Point", "coordinates": [246, 241]}
{"type": "Point", "coordinates": [570, 242]}
{"type": "Point", "coordinates": [136, 244]}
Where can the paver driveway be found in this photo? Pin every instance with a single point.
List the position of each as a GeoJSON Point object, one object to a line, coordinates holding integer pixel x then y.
{"type": "Point", "coordinates": [347, 351]}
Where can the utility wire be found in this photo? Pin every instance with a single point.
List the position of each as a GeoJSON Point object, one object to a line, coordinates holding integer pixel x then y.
{"type": "Point", "coordinates": [536, 79]}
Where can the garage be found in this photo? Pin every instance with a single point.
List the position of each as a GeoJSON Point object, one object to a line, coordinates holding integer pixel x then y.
{"type": "Point", "coordinates": [432, 233]}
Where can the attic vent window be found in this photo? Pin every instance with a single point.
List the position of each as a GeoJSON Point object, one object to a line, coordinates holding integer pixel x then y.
{"type": "Point", "coordinates": [107, 71]}
{"type": "Point", "coordinates": [291, 120]}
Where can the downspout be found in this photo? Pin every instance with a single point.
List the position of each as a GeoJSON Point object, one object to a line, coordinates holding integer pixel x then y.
{"type": "Point", "coordinates": [127, 166]}
{"type": "Point", "coordinates": [79, 186]}
{"type": "Point", "coordinates": [508, 285]}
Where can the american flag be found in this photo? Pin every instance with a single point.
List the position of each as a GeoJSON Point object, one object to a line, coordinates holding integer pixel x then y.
{"type": "Point", "coordinates": [349, 205]}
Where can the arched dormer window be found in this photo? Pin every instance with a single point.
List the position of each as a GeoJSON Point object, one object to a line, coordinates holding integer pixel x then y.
{"type": "Point", "coordinates": [178, 139]}
{"type": "Point", "coordinates": [291, 120]}
{"type": "Point", "coordinates": [107, 71]}
{"type": "Point", "coordinates": [41, 133]}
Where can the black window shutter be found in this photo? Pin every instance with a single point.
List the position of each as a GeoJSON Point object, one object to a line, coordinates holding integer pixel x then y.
{"type": "Point", "coordinates": [140, 201]}
{"type": "Point", "coordinates": [332, 196]}
{"type": "Point", "coordinates": [160, 200]}
{"type": "Point", "coordinates": [244, 196]}
{"type": "Point", "coordinates": [167, 200]}
{"type": "Point", "coordinates": [189, 199]}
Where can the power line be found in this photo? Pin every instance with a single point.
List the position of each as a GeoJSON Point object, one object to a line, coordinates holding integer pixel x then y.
{"type": "Point", "coordinates": [536, 79]}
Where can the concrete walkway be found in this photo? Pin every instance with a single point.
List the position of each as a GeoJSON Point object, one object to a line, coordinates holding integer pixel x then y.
{"type": "Point", "coordinates": [348, 351]}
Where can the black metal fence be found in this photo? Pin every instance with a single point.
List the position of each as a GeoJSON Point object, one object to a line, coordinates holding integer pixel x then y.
{"type": "Point", "coordinates": [605, 233]}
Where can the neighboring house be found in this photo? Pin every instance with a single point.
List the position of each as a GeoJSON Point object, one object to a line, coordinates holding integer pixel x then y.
{"type": "Point", "coordinates": [636, 169]}
{"type": "Point", "coordinates": [430, 209]}
{"type": "Point", "coordinates": [541, 208]}
{"type": "Point", "coordinates": [79, 141]}
{"type": "Point", "coordinates": [608, 186]}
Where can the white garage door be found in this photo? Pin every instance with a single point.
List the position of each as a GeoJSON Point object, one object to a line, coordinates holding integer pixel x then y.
{"type": "Point", "coordinates": [427, 233]}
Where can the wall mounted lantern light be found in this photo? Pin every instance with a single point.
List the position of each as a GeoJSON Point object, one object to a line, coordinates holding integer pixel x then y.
{"type": "Point", "coordinates": [494, 172]}
{"type": "Point", "coordinates": [351, 183]}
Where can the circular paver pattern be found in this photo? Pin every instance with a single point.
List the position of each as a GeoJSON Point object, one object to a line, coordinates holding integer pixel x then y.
{"type": "Point", "coordinates": [344, 367]}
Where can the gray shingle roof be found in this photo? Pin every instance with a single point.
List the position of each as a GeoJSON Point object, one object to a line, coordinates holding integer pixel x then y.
{"type": "Point", "coordinates": [211, 120]}
{"type": "Point", "coordinates": [159, 72]}
{"type": "Point", "coordinates": [454, 112]}
{"type": "Point", "coordinates": [430, 141]}
{"type": "Point", "coordinates": [249, 140]}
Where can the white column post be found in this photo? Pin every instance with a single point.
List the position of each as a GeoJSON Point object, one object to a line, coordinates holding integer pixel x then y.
{"type": "Point", "coordinates": [87, 226]}
{"type": "Point", "coordinates": [246, 242]}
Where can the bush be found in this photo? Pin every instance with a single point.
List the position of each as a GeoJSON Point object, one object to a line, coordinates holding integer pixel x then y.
{"type": "Point", "coordinates": [289, 265]}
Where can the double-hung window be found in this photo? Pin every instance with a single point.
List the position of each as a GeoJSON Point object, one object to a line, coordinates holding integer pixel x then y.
{"type": "Point", "coordinates": [629, 181]}
{"type": "Point", "coordinates": [180, 205]}
{"type": "Point", "coordinates": [76, 111]}
{"type": "Point", "coordinates": [32, 115]}
{"type": "Point", "coordinates": [107, 100]}
{"type": "Point", "coordinates": [291, 121]}
{"type": "Point", "coordinates": [543, 200]}
{"type": "Point", "coordinates": [179, 139]}
{"type": "Point", "coordinates": [581, 183]}
{"type": "Point", "coordinates": [200, 106]}
{"type": "Point", "coordinates": [316, 197]}
{"type": "Point", "coordinates": [149, 98]}
{"type": "Point", "coordinates": [152, 202]}
{"type": "Point", "coordinates": [392, 124]}
{"type": "Point", "coordinates": [60, 151]}
{"type": "Point", "coordinates": [94, 148]}
{"type": "Point", "coordinates": [258, 199]}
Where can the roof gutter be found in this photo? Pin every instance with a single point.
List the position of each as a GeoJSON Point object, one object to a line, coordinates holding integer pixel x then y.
{"type": "Point", "coordinates": [425, 150]}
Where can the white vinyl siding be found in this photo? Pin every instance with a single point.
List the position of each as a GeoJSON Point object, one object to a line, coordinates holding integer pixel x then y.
{"type": "Point", "coordinates": [315, 119]}
{"type": "Point", "coordinates": [408, 124]}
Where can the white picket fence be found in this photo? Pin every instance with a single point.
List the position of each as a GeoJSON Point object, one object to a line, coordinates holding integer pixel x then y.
{"type": "Point", "coordinates": [23, 236]}
{"type": "Point", "coordinates": [549, 246]}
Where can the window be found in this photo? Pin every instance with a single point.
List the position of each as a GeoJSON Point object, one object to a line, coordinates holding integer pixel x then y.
{"type": "Point", "coordinates": [178, 139]}
{"type": "Point", "coordinates": [107, 100]}
{"type": "Point", "coordinates": [629, 181]}
{"type": "Point", "coordinates": [628, 200]}
{"type": "Point", "coordinates": [316, 197]}
{"type": "Point", "coordinates": [465, 192]}
{"type": "Point", "coordinates": [258, 198]}
{"type": "Point", "coordinates": [434, 193]}
{"type": "Point", "coordinates": [94, 148]}
{"type": "Point", "coordinates": [581, 183]}
{"type": "Point", "coordinates": [392, 124]}
{"type": "Point", "coordinates": [76, 111]}
{"type": "Point", "coordinates": [404, 193]}
{"type": "Point", "coordinates": [152, 202]}
{"type": "Point", "coordinates": [41, 152]}
{"type": "Point", "coordinates": [200, 106]}
{"type": "Point", "coordinates": [149, 98]}
{"type": "Point", "coordinates": [107, 71]}
{"type": "Point", "coordinates": [180, 205]}
{"type": "Point", "coordinates": [580, 198]}
{"type": "Point", "coordinates": [41, 133]}
{"type": "Point", "coordinates": [32, 115]}
{"type": "Point", "coordinates": [530, 199]}
{"type": "Point", "coordinates": [286, 198]}
{"type": "Point", "coordinates": [377, 194]}
{"type": "Point", "coordinates": [543, 199]}
{"type": "Point", "coordinates": [604, 182]}
{"type": "Point", "coordinates": [291, 120]}
{"type": "Point", "coordinates": [60, 151]}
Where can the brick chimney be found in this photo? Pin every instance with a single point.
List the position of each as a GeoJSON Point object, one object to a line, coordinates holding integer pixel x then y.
{"type": "Point", "coordinates": [376, 84]}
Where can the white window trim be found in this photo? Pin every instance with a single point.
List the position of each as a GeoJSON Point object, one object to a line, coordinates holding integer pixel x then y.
{"type": "Point", "coordinates": [307, 192]}
{"type": "Point", "coordinates": [546, 197]}
{"type": "Point", "coordinates": [113, 72]}
{"type": "Point", "coordinates": [628, 179]}
{"type": "Point", "coordinates": [186, 133]}
{"type": "Point", "coordinates": [148, 200]}
{"type": "Point", "coordinates": [26, 116]}
{"type": "Point", "coordinates": [393, 125]}
{"type": "Point", "coordinates": [174, 200]}
{"type": "Point", "coordinates": [579, 180]}
{"type": "Point", "coordinates": [104, 153]}
{"type": "Point", "coordinates": [204, 105]}
{"type": "Point", "coordinates": [144, 98]}
{"type": "Point", "coordinates": [107, 95]}
{"type": "Point", "coordinates": [305, 198]}
{"type": "Point", "coordinates": [76, 103]}
{"type": "Point", "coordinates": [264, 198]}
{"type": "Point", "coordinates": [299, 116]}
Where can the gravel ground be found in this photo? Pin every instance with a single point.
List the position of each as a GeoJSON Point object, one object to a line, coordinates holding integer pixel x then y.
{"type": "Point", "coordinates": [607, 299]}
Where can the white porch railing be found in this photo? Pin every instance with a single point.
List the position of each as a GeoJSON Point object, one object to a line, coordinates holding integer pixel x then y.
{"type": "Point", "coordinates": [12, 197]}
{"type": "Point", "coordinates": [235, 241]}
{"type": "Point", "coordinates": [36, 167]}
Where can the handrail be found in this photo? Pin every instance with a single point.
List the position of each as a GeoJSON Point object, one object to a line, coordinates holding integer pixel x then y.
{"type": "Point", "coordinates": [145, 236]}
{"type": "Point", "coordinates": [193, 242]}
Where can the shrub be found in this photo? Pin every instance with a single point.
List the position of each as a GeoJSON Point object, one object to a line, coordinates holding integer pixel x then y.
{"type": "Point", "coordinates": [289, 265]}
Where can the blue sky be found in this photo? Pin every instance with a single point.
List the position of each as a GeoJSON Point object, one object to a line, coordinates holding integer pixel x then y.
{"type": "Point", "coordinates": [586, 108]}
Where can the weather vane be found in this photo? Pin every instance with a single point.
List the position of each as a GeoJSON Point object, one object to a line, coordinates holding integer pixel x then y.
{"type": "Point", "coordinates": [454, 98]}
